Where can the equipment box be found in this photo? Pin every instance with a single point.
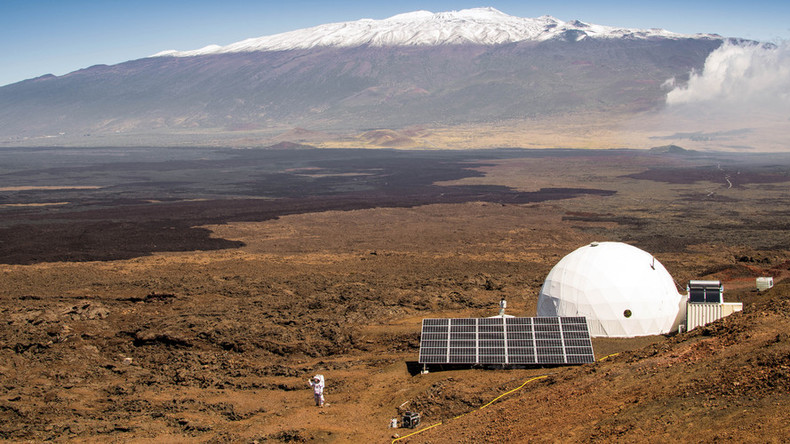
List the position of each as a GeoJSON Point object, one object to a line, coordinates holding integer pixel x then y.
{"type": "Point", "coordinates": [410, 420]}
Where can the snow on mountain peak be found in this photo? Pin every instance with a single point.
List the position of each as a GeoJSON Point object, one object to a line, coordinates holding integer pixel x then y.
{"type": "Point", "coordinates": [484, 26]}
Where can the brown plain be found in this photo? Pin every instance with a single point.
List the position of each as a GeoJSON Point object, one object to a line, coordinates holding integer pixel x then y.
{"type": "Point", "coordinates": [216, 346]}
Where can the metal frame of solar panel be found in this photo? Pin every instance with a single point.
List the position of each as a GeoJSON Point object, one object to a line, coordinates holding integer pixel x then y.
{"type": "Point", "coordinates": [506, 341]}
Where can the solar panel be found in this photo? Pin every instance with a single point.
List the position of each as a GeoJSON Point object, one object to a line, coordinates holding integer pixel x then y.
{"type": "Point", "coordinates": [506, 341]}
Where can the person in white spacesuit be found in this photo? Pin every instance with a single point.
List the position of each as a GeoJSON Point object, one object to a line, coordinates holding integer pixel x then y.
{"type": "Point", "coordinates": [317, 383]}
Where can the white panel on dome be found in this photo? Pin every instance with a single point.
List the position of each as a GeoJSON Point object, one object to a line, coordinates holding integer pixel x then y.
{"type": "Point", "coordinates": [621, 290]}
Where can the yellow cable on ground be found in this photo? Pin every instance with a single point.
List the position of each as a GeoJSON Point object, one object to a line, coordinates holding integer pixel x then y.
{"type": "Point", "coordinates": [479, 408]}
{"type": "Point", "coordinates": [517, 388]}
{"type": "Point", "coordinates": [418, 431]}
{"type": "Point", "coordinates": [609, 356]}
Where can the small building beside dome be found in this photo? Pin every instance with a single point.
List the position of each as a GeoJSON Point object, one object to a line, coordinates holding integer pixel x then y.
{"type": "Point", "coordinates": [622, 291]}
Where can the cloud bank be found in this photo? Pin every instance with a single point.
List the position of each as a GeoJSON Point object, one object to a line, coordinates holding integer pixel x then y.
{"type": "Point", "coordinates": [739, 101]}
{"type": "Point", "coordinates": [741, 77]}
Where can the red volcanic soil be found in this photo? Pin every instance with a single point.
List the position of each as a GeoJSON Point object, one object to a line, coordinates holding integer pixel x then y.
{"type": "Point", "coordinates": [728, 381]}
{"type": "Point", "coordinates": [199, 317]}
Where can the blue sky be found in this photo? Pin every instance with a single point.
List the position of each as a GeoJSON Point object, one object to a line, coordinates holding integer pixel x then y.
{"type": "Point", "coordinates": [59, 36]}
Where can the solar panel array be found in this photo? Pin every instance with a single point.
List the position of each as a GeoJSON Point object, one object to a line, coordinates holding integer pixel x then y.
{"type": "Point", "coordinates": [705, 294]}
{"type": "Point", "coordinates": [507, 341]}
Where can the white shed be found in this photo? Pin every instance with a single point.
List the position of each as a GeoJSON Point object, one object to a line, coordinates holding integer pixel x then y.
{"type": "Point", "coordinates": [764, 283]}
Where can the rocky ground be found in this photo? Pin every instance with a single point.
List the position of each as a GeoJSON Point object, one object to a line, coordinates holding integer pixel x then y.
{"type": "Point", "coordinates": [216, 345]}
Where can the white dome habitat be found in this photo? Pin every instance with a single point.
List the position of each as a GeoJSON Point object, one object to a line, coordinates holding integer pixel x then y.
{"type": "Point", "coordinates": [621, 290]}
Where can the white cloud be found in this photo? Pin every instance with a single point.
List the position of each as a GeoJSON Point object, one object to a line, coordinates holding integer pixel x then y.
{"type": "Point", "coordinates": [739, 101]}
{"type": "Point", "coordinates": [739, 78]}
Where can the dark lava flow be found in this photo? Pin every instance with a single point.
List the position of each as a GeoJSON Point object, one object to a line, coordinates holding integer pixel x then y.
{"type": "Point", "coordinates": [143, 206]}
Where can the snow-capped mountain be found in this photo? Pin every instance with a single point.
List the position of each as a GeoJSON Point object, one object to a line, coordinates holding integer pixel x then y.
{"type": "Point", "coordinates": [451, 68]}
{"type": "Point", "coordinates": [478, 26]}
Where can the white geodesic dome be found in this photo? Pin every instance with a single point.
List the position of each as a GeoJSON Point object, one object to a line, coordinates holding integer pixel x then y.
{"type": "Point", "coordinates": [621, 290]}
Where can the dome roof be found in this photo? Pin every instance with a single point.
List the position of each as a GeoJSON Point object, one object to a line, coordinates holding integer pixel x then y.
{"type": "Point", "coordinates": [622, 290]}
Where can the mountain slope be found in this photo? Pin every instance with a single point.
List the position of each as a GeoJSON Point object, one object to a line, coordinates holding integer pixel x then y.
{"type": "Point", "coordinates": [352, 88]}
{"type": "Point", "coordinates": [477, 26]}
